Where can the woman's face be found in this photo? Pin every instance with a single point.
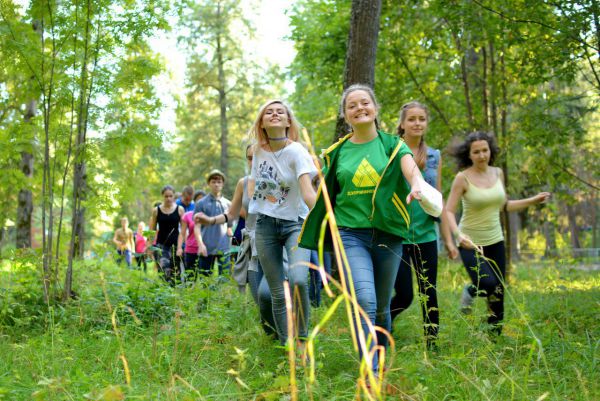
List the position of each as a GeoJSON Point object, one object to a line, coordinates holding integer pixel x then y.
{"type": "Point", "coordinates": [415, 122]}
{"type": "Point", "coordinates": [275, 116]}
{"type": "Point", "coordinates": [168, 197]}
{"type": "Point", "coordinates": [360, 109]}
{"type": "Point", "coordinates": [479, 152]}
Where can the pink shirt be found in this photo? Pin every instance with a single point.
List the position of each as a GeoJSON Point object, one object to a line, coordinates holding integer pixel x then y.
{"type": "Point", "coordinates": [190, 242]}
{"type": "Point", "coordinates": [140, 243]}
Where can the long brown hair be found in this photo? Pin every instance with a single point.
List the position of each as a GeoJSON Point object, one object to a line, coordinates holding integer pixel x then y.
{"type": "Point", "coordinates": [421, 156]}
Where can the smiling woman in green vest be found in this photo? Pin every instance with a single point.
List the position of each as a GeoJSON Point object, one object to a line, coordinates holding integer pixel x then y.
{"type": "Point", "coordinates": [367, 174]}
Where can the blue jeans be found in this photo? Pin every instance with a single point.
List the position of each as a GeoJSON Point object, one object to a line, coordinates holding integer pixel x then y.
{"type": "Point", "coordinates": [262, 296]}
{"type": "Point", "coordinates": [316, 282]}
{"type": "Point", "coordinates": [374, 257]}
{"type": "Point", "coordinates": [272, 236]}
{"type": "Point", "coordinates": [127, 254]}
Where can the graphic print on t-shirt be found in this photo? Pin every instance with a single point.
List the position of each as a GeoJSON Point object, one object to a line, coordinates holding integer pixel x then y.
{"type": "Point", "coordinates": [268, 186]}
{"type": "Point", "coordinates": [365, 175]}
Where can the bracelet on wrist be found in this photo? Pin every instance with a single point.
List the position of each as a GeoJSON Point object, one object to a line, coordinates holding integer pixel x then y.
{"type": "Point", "coordinates": [226, 218]}
{"type": "Point", "coordinates": [214, 221]}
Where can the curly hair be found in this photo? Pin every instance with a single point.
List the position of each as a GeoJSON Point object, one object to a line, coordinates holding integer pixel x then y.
{"type": "Point", "coordinates": [462, 150]}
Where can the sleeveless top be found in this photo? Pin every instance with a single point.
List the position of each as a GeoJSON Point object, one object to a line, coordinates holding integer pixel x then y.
{"type": "Point", "coordinates": [422, 226]}
{"type": "Point", "coordinates": [480, 218]}
{"type": "Point", "coordinates": [168, 227]}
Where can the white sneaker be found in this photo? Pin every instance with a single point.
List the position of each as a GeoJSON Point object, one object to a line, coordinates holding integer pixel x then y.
{"type": "Point", "coordinates": [466, 301]}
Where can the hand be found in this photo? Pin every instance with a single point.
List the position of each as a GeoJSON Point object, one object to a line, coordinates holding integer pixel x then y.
{"type": "Point", "coordinates": [452, 251]}
{"type": "Point", "coordinates": [202, 250]}
{"type": "Point", "coordinates": [201, 218]}
{"type": "Point", "coordinates": [179, 252]}
{"type": "Point", "coordinates": [465, 242]}
{"type": "Point", "coordinates": [542, 197]}
{"type": "Point", "coordinates": [415, 193]}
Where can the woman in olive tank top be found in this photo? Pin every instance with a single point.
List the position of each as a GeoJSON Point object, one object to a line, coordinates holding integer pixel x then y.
{"type": "Point", "coordinates": [479, 238]}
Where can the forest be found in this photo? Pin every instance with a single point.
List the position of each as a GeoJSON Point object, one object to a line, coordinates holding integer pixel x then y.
{"type": "Point", "coordinates": [82, 145]}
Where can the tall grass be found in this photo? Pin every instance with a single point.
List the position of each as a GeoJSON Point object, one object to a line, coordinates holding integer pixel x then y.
{"type": "Point", "coordinates": [205, 342]}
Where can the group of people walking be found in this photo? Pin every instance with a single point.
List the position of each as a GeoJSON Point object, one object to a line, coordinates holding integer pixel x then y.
{"type": "Point", "coordinates": [374, 185]}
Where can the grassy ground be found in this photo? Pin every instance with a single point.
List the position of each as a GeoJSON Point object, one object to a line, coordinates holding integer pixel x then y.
{"type": "Point", "coordinates": [205, 343]}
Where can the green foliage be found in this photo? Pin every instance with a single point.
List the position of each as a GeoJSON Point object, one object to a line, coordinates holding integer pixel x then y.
{"type": "Point", "coordinates": [215, 36]}
{"type": "Point", "coordinates": [531, 63]}
{"type": "Point", "coordinates": [176, 349]}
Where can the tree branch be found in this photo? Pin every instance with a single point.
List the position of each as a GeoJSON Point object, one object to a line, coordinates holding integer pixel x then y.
{"type": "Point", "coordinates": [427, 98]}
{"type": "Point", "coordinates": [540, 23]}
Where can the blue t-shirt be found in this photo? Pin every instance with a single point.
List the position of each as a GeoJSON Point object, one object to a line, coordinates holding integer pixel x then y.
{"type": "Point", "coordinates": [188, 208]}
{"type": "Point", "coordinates": [214, 236]}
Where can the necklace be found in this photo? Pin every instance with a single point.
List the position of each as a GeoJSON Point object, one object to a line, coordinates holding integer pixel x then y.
{"type": "Point", "coordinates": [277, 153]}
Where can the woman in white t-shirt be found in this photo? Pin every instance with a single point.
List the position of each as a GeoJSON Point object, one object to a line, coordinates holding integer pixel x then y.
{"type": "Point", "coordinates": [282, 170]}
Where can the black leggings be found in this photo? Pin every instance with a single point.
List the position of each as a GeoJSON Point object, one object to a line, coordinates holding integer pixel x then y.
{"type": "Point", "coordinates": [424, 259]}
{"type": "Point", "coordinates": [167, 262]}
{"type": "Point", "coordinates": [487, 277]}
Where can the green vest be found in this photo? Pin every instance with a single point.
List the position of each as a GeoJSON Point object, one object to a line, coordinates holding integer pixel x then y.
{"type": "Point", "coordinates": [389, 212]}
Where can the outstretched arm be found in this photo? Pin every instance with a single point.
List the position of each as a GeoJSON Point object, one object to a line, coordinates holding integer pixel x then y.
{"type": "Point", "coordinates": [411, 172]}
{"type": "Point", "coordinates": [522, 204]}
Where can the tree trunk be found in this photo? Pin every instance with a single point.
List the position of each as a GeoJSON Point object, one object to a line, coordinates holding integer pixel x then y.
{"type": "Point", "coordinates": [550, 236]}
{"type": "Point", "coordinates": [25, 198]}
{"type": "Point", "coordinates": [596, 18]}
{"type": "Point", "coordinates": [79, 166]}
{"type": "Point", "coordinates": [573, 228]}
{"type": "Point", "coordinates": [484, 89]}
{"type": "Point", "coordinates": [361, 50]}
{"type": "Point", "coordinates": [465, 80]}
{"type": "Point", "coordinates": [222, 101]}
{"type": "Point", "coordinates": [25, 203]}
{"type": "Point", "coordinates": [515, 226]}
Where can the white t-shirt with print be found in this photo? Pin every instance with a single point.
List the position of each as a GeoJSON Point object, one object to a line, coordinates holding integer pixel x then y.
{"type": "Point", "coordinates": [277, 191]}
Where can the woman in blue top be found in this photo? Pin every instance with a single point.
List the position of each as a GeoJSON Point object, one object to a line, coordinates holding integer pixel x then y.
{"type": "Point", "coordinates": [421, 246]}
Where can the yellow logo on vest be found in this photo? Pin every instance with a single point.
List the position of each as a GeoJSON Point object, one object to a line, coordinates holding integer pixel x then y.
{"type": "Point", "coordinates": [365, 175]}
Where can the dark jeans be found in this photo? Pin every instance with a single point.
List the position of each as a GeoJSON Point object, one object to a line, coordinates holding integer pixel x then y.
{"type": "Point", "coordinates": [487, 274]}
{"type": "Point", "coordinates": [424, 260]}
{"type": "Point", "coordinates": [125, 253]}
{"type": "Point", "coordinates": [206, 263]}
{"type": "Point", "coordinates": [141, 260]}
{"type": "Point", "coordinates": [168, 265]}
{"type": "Point", "coordinates": [316, 282]}
{"type": "Point", "coordinates": [190, 261]}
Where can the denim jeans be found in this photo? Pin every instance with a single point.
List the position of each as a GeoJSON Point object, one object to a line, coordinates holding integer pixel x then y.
{"type": "Point", "coordinates": [127, 254]}
{"type": "Point", "coordinates": [262, 296]}
{"type": "Point", "coordinates": [272, 236]}
{"type": "Point", "coordinates": [374, 257]}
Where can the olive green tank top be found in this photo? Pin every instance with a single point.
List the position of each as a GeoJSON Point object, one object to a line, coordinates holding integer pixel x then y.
{"type": "Point", "coordinates": [481, 213]}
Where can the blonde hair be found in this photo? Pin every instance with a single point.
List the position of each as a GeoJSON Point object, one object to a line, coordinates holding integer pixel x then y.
{"type": "Point", "coordinates": [260, 134]}
{"type": "Point", "coordinates": [421, 156]}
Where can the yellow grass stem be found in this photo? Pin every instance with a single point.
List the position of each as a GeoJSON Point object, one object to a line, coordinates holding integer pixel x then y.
{"type": "Point", "coordinates": [290, 341]}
